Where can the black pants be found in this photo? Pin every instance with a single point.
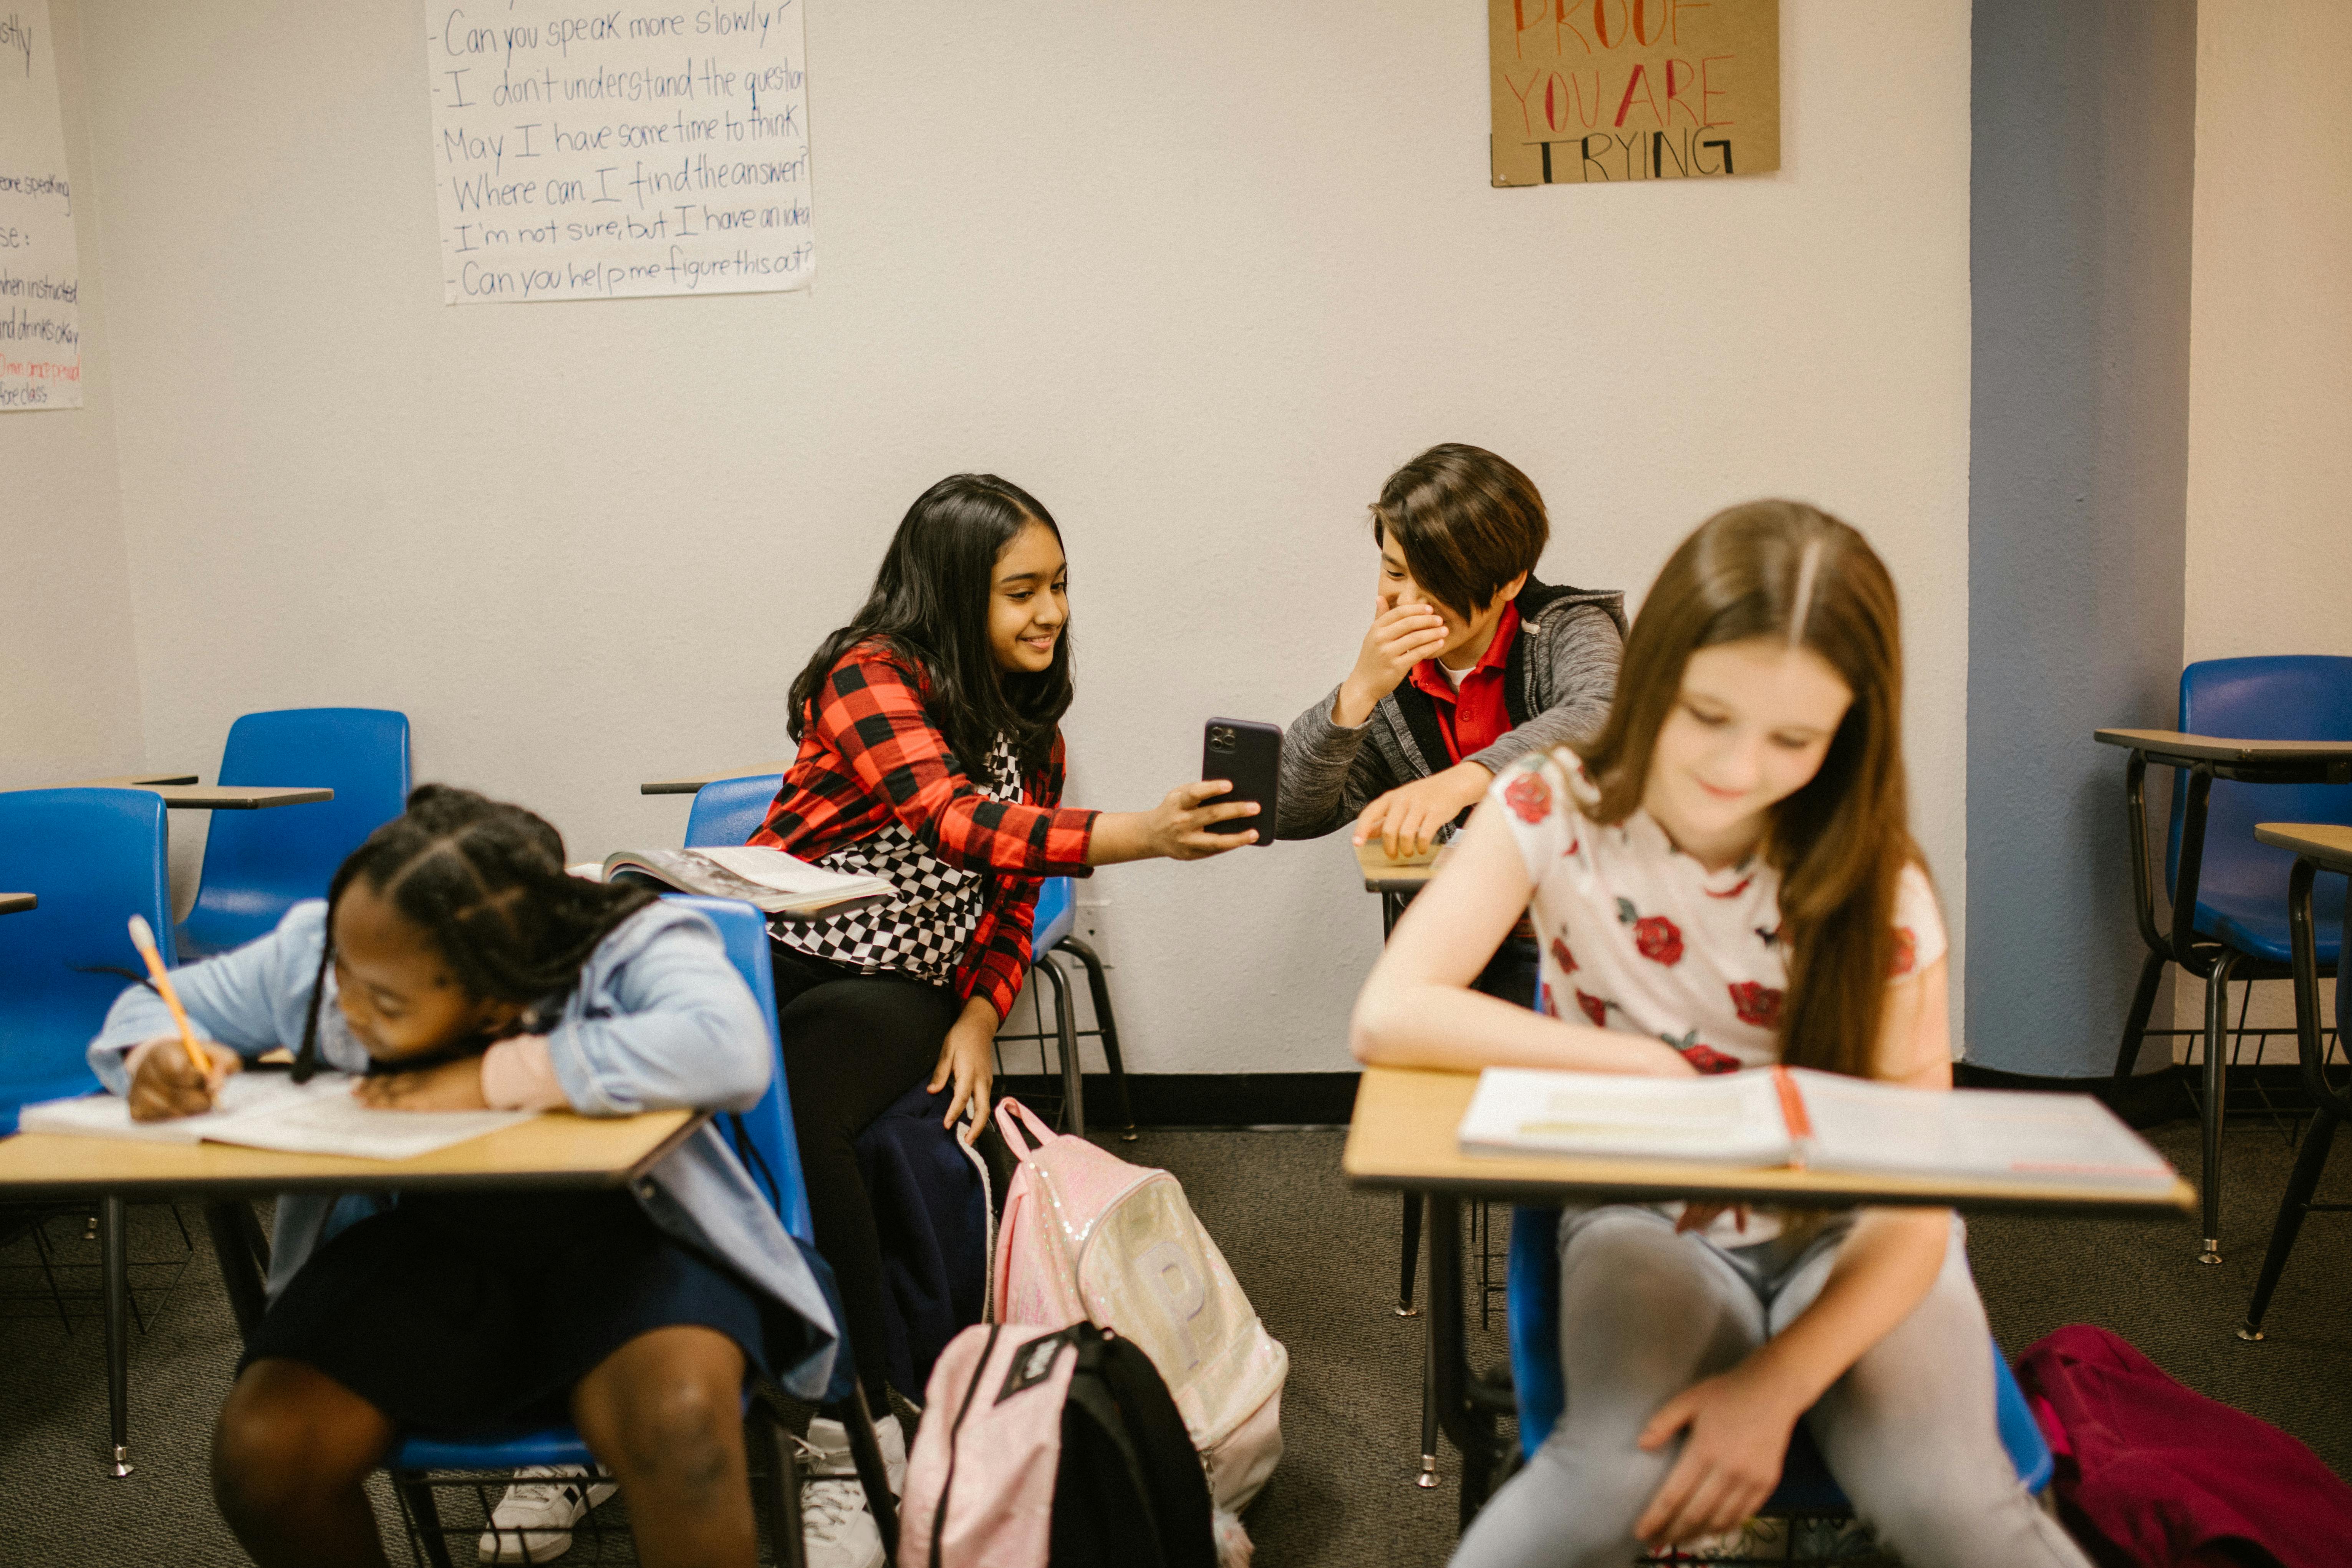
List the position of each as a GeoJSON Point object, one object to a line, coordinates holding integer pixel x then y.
{"type": "Point", "coordinates": [853, 1044]}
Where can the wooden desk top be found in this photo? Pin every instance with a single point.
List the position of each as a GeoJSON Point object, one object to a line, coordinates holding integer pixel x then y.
{"type": "Point", "coordinates": [554, 1149]}
{"type": "Point", "coordinates": [131, 781]}
{"type": "Point", "coordinates": [237, 797]}
{"type": "Point", "coordinates": [689, 785]}
{"type": "Point", "coordinates": [2168, 743]}
{"type": "Point", "coordinates": [1402, 1137]}
{"type": "Point", "coordinates": [2325, 842]}
{"type": "Point", "coordinates": [11, 904]}
{"type": "Point", "coordinates": [1382, 875]}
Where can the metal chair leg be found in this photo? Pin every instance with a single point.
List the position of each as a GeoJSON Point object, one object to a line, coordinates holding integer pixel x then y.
{"type": "Point", "coordinates": [780, 1505]}
{"type": "Point", "coordinates": [1074, 1099]}
{"type": "Point", "coordinates": [866, 1449]}
{"type": "Point", "coordinates": [115, 1272]}
{"type": "Point", "coordinates": [2216, 1085]}
{"type": "Point", "coordinates": [2151, 977]}
{"type": "Point", "coordinates": [1098, 992]}
{"type": "Point", "coordinates": [2292, 1206]}
{"type": "Point", "coordinates": [1411, 1258]}
{"type": "Point", "coordinates": [418, 1494]}
{"type": "Point", "coordinates": [1426, 1477]}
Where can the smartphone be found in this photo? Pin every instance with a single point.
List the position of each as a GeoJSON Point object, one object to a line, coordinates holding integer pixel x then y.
{"type": "Point", "coordinates": [1250, 756]}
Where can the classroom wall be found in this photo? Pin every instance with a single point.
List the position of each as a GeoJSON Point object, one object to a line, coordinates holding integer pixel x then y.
{"type": "Point", "coordinates": [2084, 119]}
{"type": "Point", "coordinates": [1197, 279]}
{"type": "Point", "coordinates": [68, 671]}
{"type": "Point", "coordinates": [2270, 471]}
{"type": "Point", "coordinates": [2269, 522]}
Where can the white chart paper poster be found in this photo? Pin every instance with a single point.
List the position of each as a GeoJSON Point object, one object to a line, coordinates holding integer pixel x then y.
{"type": "Point", "coordinates": [40, 291]}
{"type": "Point", "coordinates": [648, 148]}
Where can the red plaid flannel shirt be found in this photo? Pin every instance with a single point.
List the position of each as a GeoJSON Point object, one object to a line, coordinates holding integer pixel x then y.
{"type": "Point", "coordinates": [871, 753]}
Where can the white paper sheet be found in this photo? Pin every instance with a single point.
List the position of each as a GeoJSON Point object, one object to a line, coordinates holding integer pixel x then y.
{"type": "Point", "coordinates": [270, 1111]}
{"type": "Point", "coordinates": [41, 284]}
{"type": "Point", "coordinates": [641, 149]}
{"type": "Point", "coordinates": [1732, 1119]}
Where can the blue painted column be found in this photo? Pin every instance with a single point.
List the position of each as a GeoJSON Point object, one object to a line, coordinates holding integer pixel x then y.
{"type": "Point", "coordinates": [2083, 122]}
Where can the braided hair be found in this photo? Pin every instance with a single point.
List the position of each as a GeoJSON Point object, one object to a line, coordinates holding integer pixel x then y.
{"type": "Point", "coordinates": [485, 882]}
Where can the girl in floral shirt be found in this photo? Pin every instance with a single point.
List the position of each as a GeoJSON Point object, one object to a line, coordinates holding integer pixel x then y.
{"type": "Point", "coordinates": [1726, 878]}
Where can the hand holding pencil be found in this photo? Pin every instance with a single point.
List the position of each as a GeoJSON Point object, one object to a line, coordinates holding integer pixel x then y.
{"type": "Point", "coordinates": [180, 1077]}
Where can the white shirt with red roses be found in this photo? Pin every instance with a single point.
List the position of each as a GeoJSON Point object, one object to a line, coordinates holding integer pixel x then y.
{"type": "Point", "coordinates": [1640, 937]}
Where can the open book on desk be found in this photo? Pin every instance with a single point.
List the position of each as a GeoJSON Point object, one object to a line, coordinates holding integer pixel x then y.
{"type": "Point", "coordinates": [270, 1111]}
{"type": "Point", "coordinates": [1812, 1121]}
{"type": "Point", "coordinates": [770, 879]}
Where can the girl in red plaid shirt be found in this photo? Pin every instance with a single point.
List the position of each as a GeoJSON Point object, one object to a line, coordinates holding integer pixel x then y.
{"type": "Point", "coordinates": [931, 755]}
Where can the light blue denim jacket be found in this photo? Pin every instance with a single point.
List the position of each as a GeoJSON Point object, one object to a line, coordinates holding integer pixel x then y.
{"type": "Point", "coordinates": [660, 1020]}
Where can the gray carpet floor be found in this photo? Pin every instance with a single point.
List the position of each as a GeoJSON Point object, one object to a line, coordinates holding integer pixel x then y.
{"type": "Point", "coordinates": [1319, 1262]}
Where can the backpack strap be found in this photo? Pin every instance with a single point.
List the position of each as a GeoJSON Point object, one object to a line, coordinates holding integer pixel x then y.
{"type": "Point", "coordinates": [1011, 1114]}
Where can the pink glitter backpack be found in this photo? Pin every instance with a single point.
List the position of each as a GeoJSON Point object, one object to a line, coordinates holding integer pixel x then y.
{"type": "Point", "coordinates": [1085, 1236]}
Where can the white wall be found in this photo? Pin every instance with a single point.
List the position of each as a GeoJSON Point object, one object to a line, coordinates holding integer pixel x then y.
{"type": "Point", "coordinates": [2270, 335]}
{"type": "Point", "coordinates": [68, 677]}
{"type": "Point", "coordinates": [2270, 362]}
{"type": "Point", "coordinates": [1197, 278]}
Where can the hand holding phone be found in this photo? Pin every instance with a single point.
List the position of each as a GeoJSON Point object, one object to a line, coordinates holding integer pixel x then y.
{"type": "Point", "coordinates": [1248, 755]}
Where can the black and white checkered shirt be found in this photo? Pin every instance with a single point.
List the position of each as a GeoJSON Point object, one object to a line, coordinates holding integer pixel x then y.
{"type": "Point", "coordinates": [923, 931]}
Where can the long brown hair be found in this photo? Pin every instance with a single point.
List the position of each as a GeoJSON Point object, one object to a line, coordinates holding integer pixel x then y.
{"type": "Point", "coordinates": [1783, 568]}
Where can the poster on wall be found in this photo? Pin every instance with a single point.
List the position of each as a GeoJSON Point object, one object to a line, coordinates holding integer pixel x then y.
{"type": "Point", "coordinates": [40, 288]}
{"type": "Point", "coordinates": [1594, 91]}
{"type": "Point", "coordinates": [598, 155]}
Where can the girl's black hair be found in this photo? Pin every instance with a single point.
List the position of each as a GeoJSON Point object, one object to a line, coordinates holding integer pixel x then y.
{"type": "Point", "coordinates": [929, 606]}
{"type": "Point", "coordinates": [485, 882]}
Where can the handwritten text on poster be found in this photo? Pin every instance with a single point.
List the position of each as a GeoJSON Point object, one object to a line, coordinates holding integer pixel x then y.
{"type": "Point", "coordinates": [1592, 90]}
{"type": "Point", "coordinates": [647, 149]}
{"type": "Point", "coordinates": [40, 288]}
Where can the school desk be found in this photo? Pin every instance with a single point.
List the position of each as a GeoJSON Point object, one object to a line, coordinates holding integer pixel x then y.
{"type": "Point", "coordinates": [556, 1149]}
{"type": "Point", "coordinates": [1402, 1138]}
{"type": "Point", "coordinates": [2203, 758]}
{"type": "Point", "coordinates": [689, 785]}
{"type": "Point", "coordinates": [2318, 846]}
{"type": "Point", "coordinates": [131, 781]}
{"type": "Point", "coordinates": [15, 903]}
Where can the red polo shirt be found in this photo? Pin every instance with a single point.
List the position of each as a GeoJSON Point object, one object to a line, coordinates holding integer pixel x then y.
{"type": "Point", "coordinates": [1476, 717]}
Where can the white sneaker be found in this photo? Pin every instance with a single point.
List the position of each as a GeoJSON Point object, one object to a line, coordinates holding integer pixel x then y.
{"type": "Point", "coordinates": [532, 1523]}
{"type": "Point", "coordinates": [837, 1528]}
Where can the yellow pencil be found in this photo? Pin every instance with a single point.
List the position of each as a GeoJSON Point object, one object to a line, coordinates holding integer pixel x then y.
{"type": "Point", "coordinates": [142, 937]}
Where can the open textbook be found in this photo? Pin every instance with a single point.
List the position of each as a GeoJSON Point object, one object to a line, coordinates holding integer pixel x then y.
{"type": "Point", "coordinates": [270, 1111]}
{"type": "Point", "coordinates": [1816, 1121]}
{"type": "Point", "coordinates": [769, 879]}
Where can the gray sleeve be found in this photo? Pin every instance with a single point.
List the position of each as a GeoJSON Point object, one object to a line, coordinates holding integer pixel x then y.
{"type": "Point", "coordinates": [1329, 774]}
{"type": "Point", "coordinates": [1578, 678]}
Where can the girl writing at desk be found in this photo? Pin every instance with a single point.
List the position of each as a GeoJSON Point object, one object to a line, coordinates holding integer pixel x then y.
{"type": "Point", "coordinates": [455, 962]}
{"type": "Point", "coordinates": [1724, 878]}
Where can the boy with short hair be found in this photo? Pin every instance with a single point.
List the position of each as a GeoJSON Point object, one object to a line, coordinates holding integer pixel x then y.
{"type": "Point", "coordinates": [1470, 663]}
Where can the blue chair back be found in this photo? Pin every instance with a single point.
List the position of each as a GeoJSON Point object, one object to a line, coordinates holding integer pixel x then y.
{"type": "Point", "coordinates": [259, 864]}
{"type": "Point", "coordinates": [1532, 1298]}
{"type": "Point", "coordinates": [773, 1153]}
{"type": "Point", "coordinates": [94, 857]}
{"type": "Point", "coordinates": [1056, 913]}
{"type": "Point", "coordinates": [2241, 884]}
{"type": "Point", "coordinates": [728, 811]}
{"type": "Point", "coordinates": [766, 1128]}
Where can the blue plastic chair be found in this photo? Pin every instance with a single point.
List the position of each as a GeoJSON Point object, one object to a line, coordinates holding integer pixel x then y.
{"type": "Point", "coordinates": [94, 857]}
{"type": "Point", "coordinates": [1806, 1484]}
{"type": "Point", "coordinates": [728, 811]}
{"type": "Point", "coordinates": [763, 1137]}
{"type": "Point", "coordinates": [2239, 920]}
{"type": "Point", "coordinates": [259, 864]}
{"type": "Point", "coordinates": [1049, 935]}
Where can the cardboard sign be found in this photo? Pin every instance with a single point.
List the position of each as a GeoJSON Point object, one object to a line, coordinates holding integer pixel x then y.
{"type": "Point", "coordinates": [1592, 91]}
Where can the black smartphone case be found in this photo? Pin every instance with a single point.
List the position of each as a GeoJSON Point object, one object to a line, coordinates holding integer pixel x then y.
{"type": "Point", "coordinates": [1250, 754]}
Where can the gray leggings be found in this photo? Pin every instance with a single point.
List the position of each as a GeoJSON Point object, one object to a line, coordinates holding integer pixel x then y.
{"type": "Point", "coordinates": [1909, 1431]}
